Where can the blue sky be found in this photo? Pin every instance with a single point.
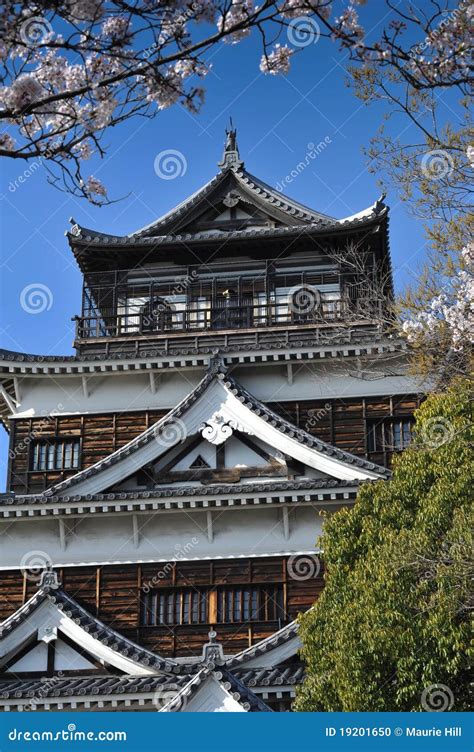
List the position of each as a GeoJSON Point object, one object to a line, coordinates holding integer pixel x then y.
{"type": "Point", "coordinates": [276, 118]}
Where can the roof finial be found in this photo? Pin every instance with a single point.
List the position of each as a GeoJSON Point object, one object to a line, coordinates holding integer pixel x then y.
{"type": "Point", "coordinates": [49, 579]}
{"type": "Point", "coordinates": [212, 652]}
{"type": "Point", "coordinates": [231, 156]}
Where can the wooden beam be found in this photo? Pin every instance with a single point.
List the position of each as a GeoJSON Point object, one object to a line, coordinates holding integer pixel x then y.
{"type": "Point", "coordinates": [97, 590]}
{"type": "Point", "coordinates": [286, 522]}
{"type": "Point", "coordinates": [62, 535]}
{"type": "Point", "coordinates": [16, 384]}
{"type": "Point", "coordinates": [220, 456]}
{"type": "Point", "coordinates": [11, 403]}
{"type": "Point", "coordinates": [210, 526]}
{"type": "Point", "coordinates": [136, 532]}
{"type": "Point", "coordinates": [85, 386]}
{"type": "Point", "coordinates": [155, 379]}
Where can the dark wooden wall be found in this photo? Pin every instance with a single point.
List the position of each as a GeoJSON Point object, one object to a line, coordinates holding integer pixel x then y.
{"type": "Point", "coordinates": [341, 422]}
{"type": "Point", "coordinates": [100, 435]}
{"type": "Point", "coordinates": [113, 593]}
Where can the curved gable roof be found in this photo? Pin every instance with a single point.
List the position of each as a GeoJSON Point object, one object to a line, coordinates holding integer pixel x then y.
{"type": "Point", "coordinates": [92, 634]}
{"type": "Point", "coordinates": [219, 394]}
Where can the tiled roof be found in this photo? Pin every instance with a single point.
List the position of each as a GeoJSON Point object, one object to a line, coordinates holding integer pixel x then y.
{"type": "Point", "coordinates": [279, 487]}
{"type": "Point", "coordinates": [86, 685]}
{"type": "Point", "coordinates": [97, 629]}
{"type": "Point", "coordinates": [240, 693]}
{"type": "Point", "coordinates": [289, 632]}
{"type": "Point", "coordinates": [324, 339]}
{"type": "Point", "coordinates": [96, 685]}
{"type": "Point", "coordinates": [165, 230]}
{"type": "Point", "coordinates": [217, 369]}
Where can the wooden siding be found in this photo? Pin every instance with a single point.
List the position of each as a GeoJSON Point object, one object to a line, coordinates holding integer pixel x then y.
{"type": "Point", "coordinates": [100, 435]}
{"type": "Point", "coordinates": [113, 594]}
{"type": "Point", "coordinates": [339, 422]}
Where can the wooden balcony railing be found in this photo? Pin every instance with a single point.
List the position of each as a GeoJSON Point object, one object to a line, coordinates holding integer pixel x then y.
{"type": "Point", "coordinates": [166, 320]}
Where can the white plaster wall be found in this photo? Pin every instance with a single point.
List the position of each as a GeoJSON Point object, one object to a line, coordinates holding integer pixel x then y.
{"type": "Point", "coordinates": [35, 660]}
{"type": "Point", "coordinates": [67, 659]}
{"type": "Point", "coordinates": [242, 532]}
{"type": "Point", "coordinates": [212, 698]}
{"type": "Point", "coordinates": [323, 379]}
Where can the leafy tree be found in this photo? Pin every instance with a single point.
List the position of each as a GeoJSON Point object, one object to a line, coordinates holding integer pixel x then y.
{"type": "Point", "coordinates": [390, 631]}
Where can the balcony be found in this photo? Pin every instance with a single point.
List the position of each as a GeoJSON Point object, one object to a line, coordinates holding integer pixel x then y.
{"type": "Point", "coordinates": [122, 314]}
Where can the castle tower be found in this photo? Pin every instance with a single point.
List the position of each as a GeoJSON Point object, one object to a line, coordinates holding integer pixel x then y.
{"type": "Point", "coordinates": [233, 379]}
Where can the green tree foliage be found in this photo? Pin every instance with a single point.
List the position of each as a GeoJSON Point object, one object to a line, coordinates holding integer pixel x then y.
{"type": "Point", "coordinates": [393, 620]}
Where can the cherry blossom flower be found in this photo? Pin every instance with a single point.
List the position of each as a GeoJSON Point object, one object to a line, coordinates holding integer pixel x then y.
{"type": "Point", "coordinates": [278, 61]}
{"type": "Point", "coordinates": [452, 310]}
{"type": "Point", "coordinates": [94, 186]}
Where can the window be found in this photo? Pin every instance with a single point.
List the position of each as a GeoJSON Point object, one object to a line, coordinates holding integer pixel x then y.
{"type": "Point", "coordinates": [390, 435]}
{"type": "Point", "coordinates": [61, 454]}
{"type": "Point", "coordinates": [220, 605]}
{"type": "Point", "coordinates": [250, 603]}
{"type": "Point", "coordinates": [172, 607]}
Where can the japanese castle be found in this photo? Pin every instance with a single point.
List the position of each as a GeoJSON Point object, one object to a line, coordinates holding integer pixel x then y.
{"type": "Point", "coordinates": [234, 379]}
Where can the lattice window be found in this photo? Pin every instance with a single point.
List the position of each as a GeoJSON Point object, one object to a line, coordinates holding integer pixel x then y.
{"type": "Point", "coordinates": [173, 607]}
{"type": "Point", "coordinates": [56, 454]}
{"type": "Point", "coordinates": [389, 435]}
{"type": "Point", "coordinates": [250, 603]}
{"type": "Point", "coordinates": [220, 605]}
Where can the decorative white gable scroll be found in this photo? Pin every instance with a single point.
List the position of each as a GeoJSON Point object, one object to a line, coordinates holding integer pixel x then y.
{"type": "Point", "coordinates": [219, 428]}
